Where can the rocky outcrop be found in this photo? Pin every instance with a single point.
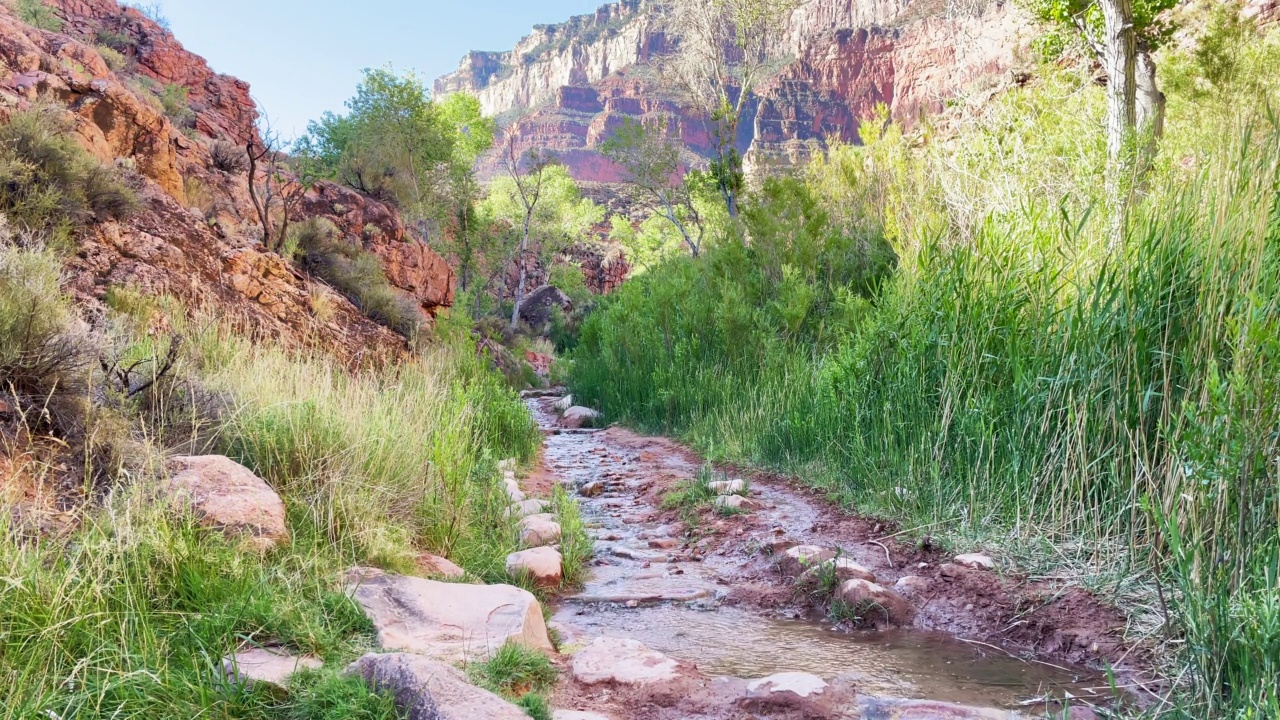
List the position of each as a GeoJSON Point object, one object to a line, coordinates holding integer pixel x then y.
{"type": "Point", "coordinates": [573, 84]}
{"type": "Point", "coordinates": [226, 495]}
{"type": "Point", "coordinates": [622, 662]}
{"type": "Point", "coordinates": [196, 235]}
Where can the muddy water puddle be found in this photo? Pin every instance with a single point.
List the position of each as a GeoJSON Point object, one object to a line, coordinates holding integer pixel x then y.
{"type": "Point", "coordinates": [642, 585]}
{"type": "Point", "coordinates": [900, 663]}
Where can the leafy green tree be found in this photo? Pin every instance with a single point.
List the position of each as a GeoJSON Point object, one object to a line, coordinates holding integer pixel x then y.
{"type": "Point", "coordinates": [542, 210]}
{"type": "Point", "coordinates": [472, 136]}
{"type": "Point", "coordinates": [394, 143]}
{"type": "Point", "coordinates": [651, 158]}
{"type": "Point", "coordinates": [1123, 35]}
{"type": "Point", "coordinates": [725, 48]}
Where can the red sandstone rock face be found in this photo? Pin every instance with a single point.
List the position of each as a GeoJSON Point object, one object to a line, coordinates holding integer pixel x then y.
{"type": "Point", "coordinates": [575, 83]}
{"type": "Point", "coordinates": [196, 235]}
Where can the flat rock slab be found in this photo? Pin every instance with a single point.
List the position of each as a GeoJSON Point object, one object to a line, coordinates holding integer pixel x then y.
{"type": "Point", "coordinates": [266, 665]}
{"type": "Point", "coordinates": [623, 662]}
{"type": "Point", "coordinates": [809, 694]}
{"type": "Point", "coordinates": [226, 495]}
{"type": "Point", "coordinates": [976, 561]}
{"type": "Point", "coordinates": [525, 508]}
{"type": "Point", "coordinates": [577, 715]}
{"type": "Point", "coordinates": [427, 690]}
{"type": "Point", "coordinates": [450, 622]}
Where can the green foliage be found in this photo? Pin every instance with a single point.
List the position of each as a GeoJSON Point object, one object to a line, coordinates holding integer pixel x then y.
{"type": "Point", "coordinates": [568, 277]}
{"type": "Point", "coordinates": [48, 183]}
{"type": "Point", "coordinates": [320, 249]}
{"type": "Point", "coordinates": [173, 98]}
{"type": "Point", "coordinates": [1112, 409]}
{"type": "Point", "coordinates": [338, 697]}
{"type": "Point", "coordinates": [118, 41]}
{"type": "Point", "coordinates": [535, 706]}
{"type": "Point", "coordinates": [394, 143]}
{"type": "Point", "coordinates": [1082, 20]}
{"type": "Point", "coordinates": [37, 14]}
{"type": "Point", "coordinates": [114, 59]}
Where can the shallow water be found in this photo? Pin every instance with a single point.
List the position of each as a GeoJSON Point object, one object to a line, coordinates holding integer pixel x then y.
{"type": "Point", "coordinates": [900, 663]}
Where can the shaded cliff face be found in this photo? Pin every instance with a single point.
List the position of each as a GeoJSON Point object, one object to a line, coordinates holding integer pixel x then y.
{"type": "Point", "coordinates": [567, 87]}
{"type": "Point", "coordinates": [196, 234]}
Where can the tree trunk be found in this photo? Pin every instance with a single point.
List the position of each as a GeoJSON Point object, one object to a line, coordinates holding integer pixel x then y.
{"type": "Point", "coordinates": [524, 247]}
{"type": "Point", "coordinates": [1121, 66]}
{"type": "Point", "coordinates": [1150, 102]}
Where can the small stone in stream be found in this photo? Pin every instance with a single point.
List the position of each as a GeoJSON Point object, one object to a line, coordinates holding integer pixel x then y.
{"type": "Point", "coordinates": [427, 690]}
{"type": "Point", "coordinates": [840, 568]}
{"type": "Point", "coordinates": [524, 508]}
{"type": "Point", "coordinates": [736, 502]}
{"type": "Point", "coordinates": [543, 565]}
{"type": "Point", "coordinates": [664, 543]}
{"type": "Point", "coordinates": [976, 561]}
{"type": "Point", "coordinates": [576, 715]}
{"type": "Point", "coordinates": [728, 487]}
{"type": "Point", "coordinates": [537, 530]}
{"type": "Point", "coordinates": [796, 560]}
{"type": "Point", "coordinates": [579, 417]}
{"type": "Point", "coordinates": [429, 565]}
{"type": "Point", "coordinates": [591, 489]}
{"type": "Point", "coordinates": [912, 585]}
{"type": "Point", "coordinates": [872, 602]}
{"type": "Point", "coordinates": [622, 661]}
{"type": "Point", "coordinates": [270, 666]}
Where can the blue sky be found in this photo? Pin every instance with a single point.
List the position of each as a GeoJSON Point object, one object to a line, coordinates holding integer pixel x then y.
{"type": "Point", "coordinates": [303, 58]}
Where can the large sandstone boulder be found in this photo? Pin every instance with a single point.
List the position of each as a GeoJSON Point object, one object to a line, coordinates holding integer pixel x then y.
{"type": "Point", "coordinates": [226, 495]}
{"type": "Point", "coordinates": [623, 662]}
{"type": "Point", "coordinates": [538, 530]}
{"type": "Point", "coordinates": [450, 622]}
{"type": "Point", "coordinates": [428, 690]}
{"type": "Point", "coordinates": [794, 561]}
{"type": "Point", "coordinates": [537, 306]}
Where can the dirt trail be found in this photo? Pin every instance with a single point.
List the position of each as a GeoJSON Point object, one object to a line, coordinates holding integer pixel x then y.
{"type": "Point", "coordinates": [712, 596]}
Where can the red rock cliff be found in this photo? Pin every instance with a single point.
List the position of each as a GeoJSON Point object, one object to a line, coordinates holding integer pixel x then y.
{"type": "Point", "coordinates": [196, 236]}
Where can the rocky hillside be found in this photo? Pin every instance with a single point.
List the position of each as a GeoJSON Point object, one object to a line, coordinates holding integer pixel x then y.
{"type": "Point", "coordinates": [568, 86]}
{"type": "Point", "coordinates": [139, 100]}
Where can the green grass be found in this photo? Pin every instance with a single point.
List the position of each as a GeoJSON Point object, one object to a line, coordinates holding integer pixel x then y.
{"type": "Point", "coordinates": [130, 610]}
{"type": "Point", "coordinates": [1106, 413]}
{"type": "Point", "coordinates": [519, 674]}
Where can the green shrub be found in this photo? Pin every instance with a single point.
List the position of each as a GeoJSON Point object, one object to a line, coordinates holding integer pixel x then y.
{"type": "Point", "coordinates": [48, 183]}
{"type": "Point", "coordinates": [173, 98]}
{"type": "Point", "coordinates": [114, 59]}
{"type": "Point", "coordinates": [37, 14]}
{"type": "Point", "coordinates": [356, 273]}
{"type": "Point", "coordinates": [43, 363]}
{"type": "Point", "coordinates": [118, 41]}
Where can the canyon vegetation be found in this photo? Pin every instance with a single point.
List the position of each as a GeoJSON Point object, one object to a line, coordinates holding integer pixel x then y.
{"type": "Point", "coordinates": [954, 324]}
